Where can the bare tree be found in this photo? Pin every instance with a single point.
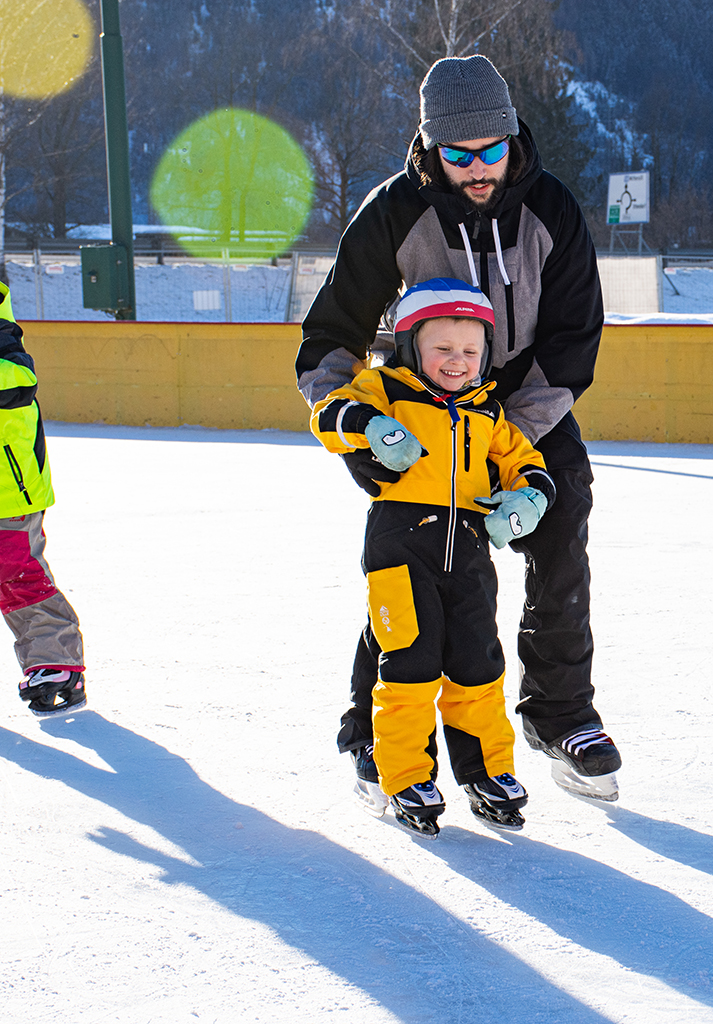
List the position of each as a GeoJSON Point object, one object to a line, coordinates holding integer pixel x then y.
{"type": "Point", "coordinates": [16, 117]}
{"type": "Point", "coordinates": [350, 137]}
{"type": "Point", "coordinates": [519, 36]}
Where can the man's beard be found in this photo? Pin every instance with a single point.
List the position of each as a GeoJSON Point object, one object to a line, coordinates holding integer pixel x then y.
{"type": "Point", "coordinates": [471, 204]}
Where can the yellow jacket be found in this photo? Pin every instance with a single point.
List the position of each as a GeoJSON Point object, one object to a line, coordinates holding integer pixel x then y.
{"type": "Point", "coordinates": [455, 471]}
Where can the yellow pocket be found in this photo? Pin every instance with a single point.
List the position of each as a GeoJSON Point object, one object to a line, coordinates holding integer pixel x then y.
{"type": "Point", "coordinates": [391, 609]}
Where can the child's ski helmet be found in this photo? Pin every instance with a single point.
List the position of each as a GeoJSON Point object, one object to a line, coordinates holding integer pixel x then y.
{"type": "Point", "coordinates": [441, 296]}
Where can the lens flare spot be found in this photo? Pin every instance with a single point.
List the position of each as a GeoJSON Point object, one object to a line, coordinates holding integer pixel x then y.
{"type": "Point", "coordinates": [45, 46]}
{"type": "Point", "coordinates": [215, 182]}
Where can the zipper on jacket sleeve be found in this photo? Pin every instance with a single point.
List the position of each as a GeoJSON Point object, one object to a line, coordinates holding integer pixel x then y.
{"type": "Point", "coordinates": [16, 472]}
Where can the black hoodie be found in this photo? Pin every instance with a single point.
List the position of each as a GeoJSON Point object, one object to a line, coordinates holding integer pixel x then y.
{"type": "Point", "coordinates": [545, 290]}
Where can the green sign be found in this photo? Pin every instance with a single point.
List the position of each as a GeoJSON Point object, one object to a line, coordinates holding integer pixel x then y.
{"type": "Point", "coordinates": [614, 212]}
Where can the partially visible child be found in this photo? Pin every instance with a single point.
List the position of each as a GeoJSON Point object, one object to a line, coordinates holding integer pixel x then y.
{"type": "Point", "coordinates": [48, 642]}
{"type": "Point", "coordinates": [431, 585]}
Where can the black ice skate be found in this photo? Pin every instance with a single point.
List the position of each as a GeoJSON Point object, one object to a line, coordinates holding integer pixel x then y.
{"type": "Point", "coordinates": [586, 763]}
{"type": "Point", "coordinates": [417, 808]}
{"type": "Point", "coordinates": [585, 760]}
{"type": "Point", "coordinates": [53, 691]}
{"type": "Point", "coordinates": [495, 801]}
{"type": "Point", "coordinates": [366, 788]}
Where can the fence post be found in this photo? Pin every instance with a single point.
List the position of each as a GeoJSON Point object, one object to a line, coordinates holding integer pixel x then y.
{"type": "Point", "coordinates": [39, 293]}
{"type": "Point", "coordinates": [227, 293]}
{"type": "Point", "coordinates": [659, 279]}
{"type": "Point", "coordinates": [291, 289]}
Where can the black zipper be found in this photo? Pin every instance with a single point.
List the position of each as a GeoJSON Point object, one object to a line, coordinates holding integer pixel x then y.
{"type": "Point", "coordinates": [466, 443]}
{"type": "Point", "coordinates": [17, 472]}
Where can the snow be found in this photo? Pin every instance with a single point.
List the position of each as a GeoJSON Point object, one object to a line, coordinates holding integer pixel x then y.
{"type": "Point", "coordinates": [187, 849]}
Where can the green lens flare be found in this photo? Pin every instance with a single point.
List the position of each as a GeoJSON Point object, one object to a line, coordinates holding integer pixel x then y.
{"type": "Point", "coordinates": [45, 46]}
{"type": "Point", "coordinates": [234, 180]}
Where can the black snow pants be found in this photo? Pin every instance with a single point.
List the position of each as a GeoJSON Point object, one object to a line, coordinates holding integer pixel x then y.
{"type": "Point", "coordinates": [555, 642]}
{"type": "Point", "coordinates": [432, 594]}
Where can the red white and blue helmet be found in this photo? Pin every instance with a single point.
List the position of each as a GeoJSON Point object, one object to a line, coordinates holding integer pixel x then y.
{"type": "Point", "coordinates": [441, 296]}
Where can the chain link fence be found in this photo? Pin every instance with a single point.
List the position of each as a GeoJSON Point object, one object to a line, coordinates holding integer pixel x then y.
{"type": "Point", "coordinates": [48, 286]}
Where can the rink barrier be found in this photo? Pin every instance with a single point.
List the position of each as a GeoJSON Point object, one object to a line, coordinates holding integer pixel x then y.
{"type": "Point", "coordinates": [652, 383]}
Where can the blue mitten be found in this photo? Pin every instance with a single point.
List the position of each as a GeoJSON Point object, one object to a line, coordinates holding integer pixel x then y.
{"type": "Point", "coordinates": [516, 514]}
{"type": "Point", "coordinates": [392, 444]}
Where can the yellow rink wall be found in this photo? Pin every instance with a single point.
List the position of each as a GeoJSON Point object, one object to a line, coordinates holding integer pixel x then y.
{"type": "Point", "coordinates": [653, 383]}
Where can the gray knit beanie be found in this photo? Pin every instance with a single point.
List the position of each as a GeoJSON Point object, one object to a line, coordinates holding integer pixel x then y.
{"type": "Point", "coordinates": [465, 98]}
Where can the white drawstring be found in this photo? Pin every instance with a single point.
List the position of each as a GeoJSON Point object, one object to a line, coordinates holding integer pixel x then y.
{"type": "Point", "coordinates": [469, 254]}
{"type": "Point", "coordinates": [499, 253]}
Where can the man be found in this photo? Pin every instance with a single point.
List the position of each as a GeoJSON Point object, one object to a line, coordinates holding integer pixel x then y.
{"type": "Point", "coordinates": [475, 203]}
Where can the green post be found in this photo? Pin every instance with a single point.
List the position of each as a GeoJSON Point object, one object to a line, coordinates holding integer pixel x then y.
{"type": "Point", "coordinates": [117, 144]}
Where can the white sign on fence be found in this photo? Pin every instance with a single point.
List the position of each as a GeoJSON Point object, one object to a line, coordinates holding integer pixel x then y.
{"type": "Point", "coordinates": [628, 201]}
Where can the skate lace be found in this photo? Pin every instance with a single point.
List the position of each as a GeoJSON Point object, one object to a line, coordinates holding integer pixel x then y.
{"type": "Point", "coordinates": [581, 741]}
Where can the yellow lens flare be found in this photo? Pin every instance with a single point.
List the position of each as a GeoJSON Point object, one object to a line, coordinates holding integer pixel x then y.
{"type": "Point", "coordinates": [45, 46]}
{"type": "Point", "coordinates": [234, 180]}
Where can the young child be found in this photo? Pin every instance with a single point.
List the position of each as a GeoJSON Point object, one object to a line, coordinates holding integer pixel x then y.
{"type": "Point", "coordinates": [48, 643]}
{"type": "Point", "coordinates": [431, 585]}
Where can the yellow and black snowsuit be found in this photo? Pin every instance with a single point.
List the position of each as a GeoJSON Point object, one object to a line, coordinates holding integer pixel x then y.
{"type": "Point", "coordinates": [431, 585]}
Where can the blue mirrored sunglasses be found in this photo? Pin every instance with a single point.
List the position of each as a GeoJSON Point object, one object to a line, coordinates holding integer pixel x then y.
{"type": "Point", "coordinates": [491, 154]}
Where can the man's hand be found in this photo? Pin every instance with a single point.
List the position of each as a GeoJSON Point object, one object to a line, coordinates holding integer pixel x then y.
{"type": "Point", "coordinates": [516, 514]}
{"type": "Point", "coordinates": [392, 443]}
{"type": "Point", "coordinates": [368, 472]}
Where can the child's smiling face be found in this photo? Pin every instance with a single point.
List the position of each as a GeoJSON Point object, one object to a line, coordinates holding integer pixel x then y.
{"type": "Point", "coordinates": [451, 351]}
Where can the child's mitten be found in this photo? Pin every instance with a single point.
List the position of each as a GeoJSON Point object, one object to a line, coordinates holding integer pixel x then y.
{"type": "Point", "coordinates": [516, 513]}
{"type": "Point", "coordinates": [392, 443]}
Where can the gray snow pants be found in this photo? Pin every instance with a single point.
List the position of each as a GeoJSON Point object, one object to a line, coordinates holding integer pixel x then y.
{"type": "Point", "coordinates": [44, 623]}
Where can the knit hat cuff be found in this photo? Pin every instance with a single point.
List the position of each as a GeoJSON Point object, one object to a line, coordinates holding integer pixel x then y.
{"type": "Point", "coordinates": [473, 124]}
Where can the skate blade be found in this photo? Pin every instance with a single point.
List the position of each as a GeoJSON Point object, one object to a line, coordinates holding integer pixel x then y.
{"type": "Point", "coordinates": [60, 711]}
{"type": "Point", "coordinates": [594, 787]}
{"type": "Point", "coordinates": [503, 821]}
{"type": "Point", "coordinates": [370, 798]}
{"type": "Point", "coordinates": [418, 827]}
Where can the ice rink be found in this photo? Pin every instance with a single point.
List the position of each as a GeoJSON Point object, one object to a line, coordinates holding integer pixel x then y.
{"type": "Point", "coordinates": [187, 850]}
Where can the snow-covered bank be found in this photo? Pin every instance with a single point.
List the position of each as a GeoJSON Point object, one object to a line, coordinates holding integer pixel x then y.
{"type": "Point", "coordinates": [187, 849]}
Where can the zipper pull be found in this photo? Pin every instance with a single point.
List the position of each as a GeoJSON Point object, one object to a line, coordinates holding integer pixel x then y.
{"type": "Point", "coordinates": [447, 398]}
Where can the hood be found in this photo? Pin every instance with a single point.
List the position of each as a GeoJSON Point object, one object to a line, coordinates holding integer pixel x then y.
{"type": "Point", "coordinates": [446, 202]}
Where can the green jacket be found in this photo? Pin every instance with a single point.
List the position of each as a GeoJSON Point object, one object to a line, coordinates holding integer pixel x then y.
{"type": "Point", "coordinates": [25, 482]}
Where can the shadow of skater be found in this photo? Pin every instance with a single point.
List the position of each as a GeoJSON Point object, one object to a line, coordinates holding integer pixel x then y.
{"type": "Point", "coordinates": [642, 927]}
{"type": "Point", "coordinates": [362, 924]}
{"type": "Point", "coordinates": [667, 838]}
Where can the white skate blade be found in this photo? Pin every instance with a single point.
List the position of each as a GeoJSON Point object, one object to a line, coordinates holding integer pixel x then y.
{"type": "Point", "coordinates": [370, 797]}
{"type": "Point", "coordinates": [595, 787]}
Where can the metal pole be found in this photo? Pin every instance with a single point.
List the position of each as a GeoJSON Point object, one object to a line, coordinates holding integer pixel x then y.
{"type": "Point", "coordinates": [117, 144]}
{"type": "Point", "coordinates": [39, 294]}
{"type": "Point", "coordinates": [227, 292]}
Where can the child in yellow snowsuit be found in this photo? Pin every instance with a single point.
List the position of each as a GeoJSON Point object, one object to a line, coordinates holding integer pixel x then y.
{"type": "Point", "coordinates": [431, 584]}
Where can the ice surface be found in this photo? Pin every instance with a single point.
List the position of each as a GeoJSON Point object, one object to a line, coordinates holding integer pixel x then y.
{"type": "Point", "coordinates": [188, 851]}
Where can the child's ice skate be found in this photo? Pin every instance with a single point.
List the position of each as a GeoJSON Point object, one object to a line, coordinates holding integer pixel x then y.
{"type": "Point", "coordinates": [495, 801]}
{"type": "Point", "coordinates": [53, 691]}
{"type": "Point", "coordinates": [417, 808]}
{"type": "Point", "coordinates": [366, 788]}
